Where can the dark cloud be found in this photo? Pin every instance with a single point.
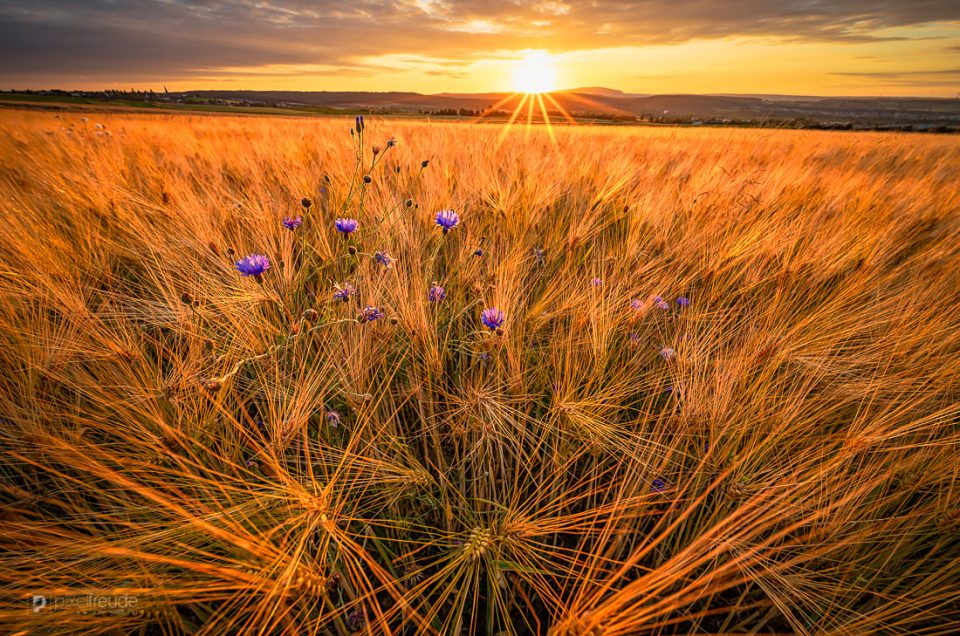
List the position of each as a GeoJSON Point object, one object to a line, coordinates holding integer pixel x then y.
{"type": "Point", "coordinates": [150, 40]}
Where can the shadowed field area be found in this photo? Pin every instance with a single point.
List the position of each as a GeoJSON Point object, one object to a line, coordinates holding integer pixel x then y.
{"type": "Point", "coordinates": [723, 396]}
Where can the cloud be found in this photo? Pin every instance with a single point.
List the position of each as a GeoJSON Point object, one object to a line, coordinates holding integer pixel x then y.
{"type": "Point", "coordinates": [177, 39]}
{"type": "Point", "coordinates": [928, 79]}
{"type": "Point", "coordinates": [900, 74]}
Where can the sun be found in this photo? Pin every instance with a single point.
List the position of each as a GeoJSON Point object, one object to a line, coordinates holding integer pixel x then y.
{"type": "Point", "coordinates": [536, 72]}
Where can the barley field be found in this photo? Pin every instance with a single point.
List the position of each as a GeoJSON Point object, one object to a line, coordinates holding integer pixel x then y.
{"type": "Point", "coordinates": [638, 381]}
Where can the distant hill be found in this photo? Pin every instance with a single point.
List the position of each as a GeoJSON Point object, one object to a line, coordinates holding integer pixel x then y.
{"type": "Point", "coordinates": [601, 91]}
{"type": "Point", "coordinates": [590, 103]}
{"type": "Point", "coordinates": [599, 101]}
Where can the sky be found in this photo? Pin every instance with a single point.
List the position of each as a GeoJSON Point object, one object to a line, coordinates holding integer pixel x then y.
{"type": "Point", "coordinates": [813, 47]}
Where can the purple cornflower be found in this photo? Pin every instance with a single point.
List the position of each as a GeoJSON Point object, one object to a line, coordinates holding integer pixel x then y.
{"type": "Point", "coordinates": [447, 220]}
{"type": "Point", "coordinates": [369, 314]}
{"type": "Point", "coordinates": [292, 223]}
{"type": "Point", "coordinates": [383, 259]}
{"type": "Point", "coordinates": [437, 293]}
{"type": "Point", "coordinates": [634, 336]}
{"type": "Point", "coordinates": [359, 122]}
{"type": "Point", "coordinates": [539, 255]}
{"type": "Point", "coordinates": [596, 282]}
{"type": "Point", "coordinates": [637, 305]}
{"type": "Point", "coordinates": [492, 318]}
{"type": "Point", "coordinates": [343, 293]}
{"type": "Point", "coordinates": [478, 252]}
{"type": "Point", "coordinates": [667, 353]}
{"type": "Point", "coordinates": [661, 303]}
{"type": "Point", "coordinates": [253, 265]}
{"type": "Point", "coordinates": [355, 620]}
{"type": "Point", "coordinates": [658, 485]}
{"type": "Point", "coordinates": [333, 418]}
{"type": "Point", "coordinates": [669, 389]}
{"type": "Point", "coordinates": [683, 301]}
{"type": "Point", "coordinates": [346, 226]}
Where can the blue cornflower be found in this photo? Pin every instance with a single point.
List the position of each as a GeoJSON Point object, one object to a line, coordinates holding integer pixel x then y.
{"type": "Point", "coordinates": [447, 220]}
{"type": "Point", "coordinates": [359, 123]}
{"type": "Point", "coordinates": [478, 252]}
{"type": "Point", "coordinates": [683, 301]}
{"type": "Point", "coordinates": [355, 620]}
{"type": "Point", "coordinates": [253, 265]}
{"type": "Point", "coordinates": [437, 293]}
{"type": "Point", "coordinates": [343, 293]}
{"type": "Point", "coordinates": [658, 485]}
{"type": "Point", "coordinates": [492, 318]}
{"type": "Point", "coordinates": [369, 314]}
{"type": "Point", "coordinates": [346, 226]}
{"type": "Point", "coordinates": [333, 418]}
{"type": "Point", "coordinates": [292, 223]}
{"type": "Point", "coordinates": [383, 259]}
{"type": "Point", "coordinates": [667, 353]}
